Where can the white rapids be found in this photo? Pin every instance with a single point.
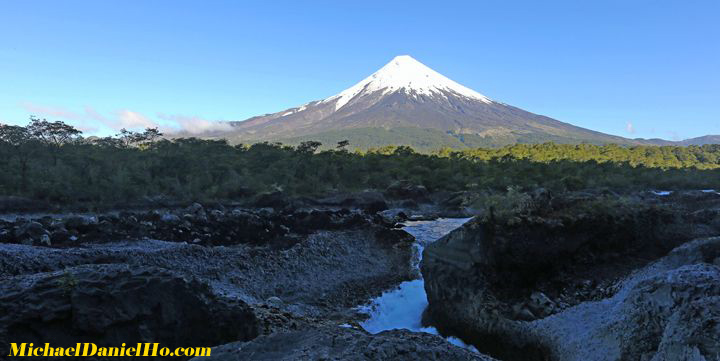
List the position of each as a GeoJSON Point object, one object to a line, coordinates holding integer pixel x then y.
{"type": "Point", "coordinates": [402, 308]}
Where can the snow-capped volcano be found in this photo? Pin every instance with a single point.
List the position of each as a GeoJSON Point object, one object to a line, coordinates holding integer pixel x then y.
{"type": "Point", "coordinates": [408, 75]}
{"type": "Point", "coordinates": [406, 102]}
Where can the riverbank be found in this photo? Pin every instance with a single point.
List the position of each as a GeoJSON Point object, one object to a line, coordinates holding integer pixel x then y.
{"type": "Point", "coordinates": [403, 307]}
{"type": "Point", "coordinates": [581, 277]}
{"type": "Point", "coordinates": [271, 271]}
{"type": "Point", "coordinates": [284, 281]}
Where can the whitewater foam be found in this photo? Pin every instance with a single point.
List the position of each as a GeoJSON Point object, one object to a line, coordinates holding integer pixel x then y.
{"type": "Point", "coordinates": [402, 308]}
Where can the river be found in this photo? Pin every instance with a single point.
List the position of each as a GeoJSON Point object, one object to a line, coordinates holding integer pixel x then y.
{"type": "Point", "coordinates": [402, 307]}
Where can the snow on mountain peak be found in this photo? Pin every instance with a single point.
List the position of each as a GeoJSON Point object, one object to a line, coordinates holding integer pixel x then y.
{"type": "Point", "coordinates": [406, 73]}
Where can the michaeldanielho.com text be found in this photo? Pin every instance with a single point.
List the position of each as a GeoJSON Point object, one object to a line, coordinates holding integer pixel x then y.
{"type": "Point", "coordinates": [88, 349]}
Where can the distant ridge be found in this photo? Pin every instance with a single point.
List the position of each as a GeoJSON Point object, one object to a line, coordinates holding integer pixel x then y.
{"type": "Point", "coordinates": [706, 139]}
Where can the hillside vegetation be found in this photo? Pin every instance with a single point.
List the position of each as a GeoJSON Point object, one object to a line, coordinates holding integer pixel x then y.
{"type": "Point", "coordinates": [51, 161]}
{"type": "Point", "coordinates": [427, 140]}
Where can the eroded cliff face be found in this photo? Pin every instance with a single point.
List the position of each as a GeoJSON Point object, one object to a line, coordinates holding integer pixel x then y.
{"type": "Point", "coordinates": [112, 304]}
{"type": "Point", "coordinates": [493, 278]}
{"type": "Point", "coordinates": [669, 310]}
{"type": "Point", "coordinates": [459, 284]}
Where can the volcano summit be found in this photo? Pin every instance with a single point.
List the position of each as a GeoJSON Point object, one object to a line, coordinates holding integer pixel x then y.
{"type": "Point", "coordinates": [407, 103]}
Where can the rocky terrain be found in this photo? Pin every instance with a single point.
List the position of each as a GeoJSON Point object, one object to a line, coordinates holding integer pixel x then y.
{"type": "Point", "coordinates": [583, 277]}
{"type": "Point", "coordinates": [208, 275]}
{"type": "Point", "coordinates": [343, 343]}
{"type": "Point", "coordinates": [535, 276]}
{"type": "Point", "coordinates": [668, 310]}
{"type": "Point", "coordinates": [273, 219]}
{"type": "Point", "coordinates": [111, 304]}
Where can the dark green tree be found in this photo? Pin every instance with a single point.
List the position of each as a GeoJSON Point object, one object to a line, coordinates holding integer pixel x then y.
{"type": "Point", "coordinates": [53, 134]}
{"type": "Point", "coordinates": [308, 147]}
{"type": "Point", "coordinates": [19, 141]}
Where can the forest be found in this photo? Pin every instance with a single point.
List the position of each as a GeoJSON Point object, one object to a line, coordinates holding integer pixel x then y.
{"type": "Point", "coordinates": [53, 162]}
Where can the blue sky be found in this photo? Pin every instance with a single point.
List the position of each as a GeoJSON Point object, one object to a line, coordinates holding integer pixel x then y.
{"type": "Point", "coordinates": [633, 68]}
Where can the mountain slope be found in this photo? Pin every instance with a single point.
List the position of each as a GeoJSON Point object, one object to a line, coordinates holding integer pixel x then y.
{"type": "Point", "coordinates": [706, 139]}
{"type": "Point", "coordinates": [405, 94]}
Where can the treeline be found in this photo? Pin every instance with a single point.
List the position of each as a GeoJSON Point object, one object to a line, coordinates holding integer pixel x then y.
{"type": "Point", "coordinates": [701, 157]}
{"type": "Point", "coordinates": [51, 161]}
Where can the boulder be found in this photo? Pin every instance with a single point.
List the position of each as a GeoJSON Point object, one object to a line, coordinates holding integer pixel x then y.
{"type": "Point", "coordinates": [80, 223]}
{"type": "Point", "coordinates": [692, 332]}
{"type": "Point", "coordinates": [195, 213]}
{"type": "Point", "coordinates": [45, 240]}
{"type": "Point", "coordinates": [274, 301]}
{"type": "Point", "coordinates": [114, 304]}
{"type": "Point", "coordinates": [370, 201]}
{"type": "Point", "coordinates": [541, 305]}
{"type": "Point", "coordinates": [457, 200]}
{"type": "Point", "coordinates": [31, 231]}
{"type": "Point", "coordinates": [276, 200]}
{"type": "Point", "coordinates": [217, 215]}
{"type": "Point", "coordinates": [170, 218]}
{"type": "Point", "coordinates": [195, 208]}
{"type": "Point", "coordinates": [458, 204]}
{"type": "Point", "coordinates": [407, 190]}
{"type": "Point", "coordinates": [6, 235]}
{"type": "Point", "coordinates": [60, 236]}
{"type": "Point", "coordinates": [392, 216]}
{"type": "Point", "coordinates": [307, 221]}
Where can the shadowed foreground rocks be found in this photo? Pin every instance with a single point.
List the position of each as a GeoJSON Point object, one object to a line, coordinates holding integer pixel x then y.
{"type": "Point", "coordinates": [274, 219]}
{"type": "Point", "coordinates": [669, 310]}
{"type": "Point", "coordinates": [211, 226]}
{"type": "Point", "coordinates": [325, 273]}
{"type": "Point", "coordinates": [572, 279]}
{"type": "Point", "coordinates": [114, 304]}
{"type": "Point", "coordinates": [334, 343]}
{"type": "Point", "coordinates": [207, 293]}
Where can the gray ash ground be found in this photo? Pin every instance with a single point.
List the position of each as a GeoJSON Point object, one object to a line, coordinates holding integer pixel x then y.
{"type": "Point", "coordinates": [305, 275]}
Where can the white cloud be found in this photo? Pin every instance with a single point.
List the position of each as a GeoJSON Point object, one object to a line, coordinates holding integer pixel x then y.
{"type": "Point", "coordinates": [194, 124]}
{"type": "Point", "coordinates": [91, 121]}
{"type": "Point", "coordinates": [51, 111]}
{"type": "Point", "coordinates": [630, 128]}
{"type": "Point", "coordinates": [85, 121]}
{"type": "Point", "coordinates": [131, 120]}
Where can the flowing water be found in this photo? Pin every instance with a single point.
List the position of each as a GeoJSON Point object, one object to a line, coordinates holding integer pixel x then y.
{"type": "Point", "coordinates": [402, 308]}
